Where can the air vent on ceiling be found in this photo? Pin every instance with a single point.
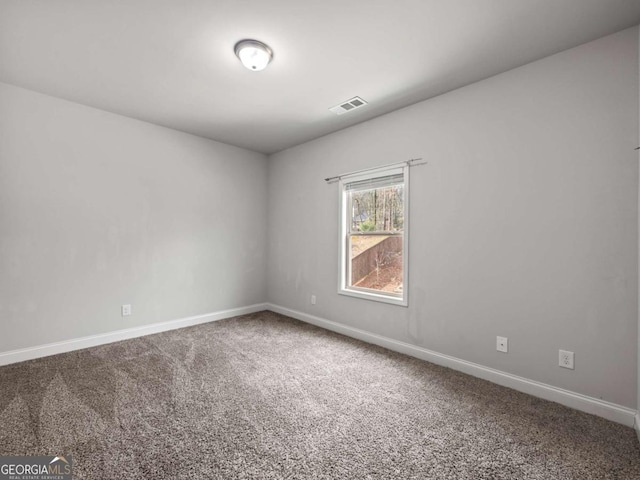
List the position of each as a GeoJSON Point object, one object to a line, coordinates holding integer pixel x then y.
{"type": "Point", "coordinates": [348, 106]}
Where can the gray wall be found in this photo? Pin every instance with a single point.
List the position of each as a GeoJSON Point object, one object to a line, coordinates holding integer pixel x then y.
{"type": "Point", "coordinates": [523, 224]}
{"type": "Point", "coordinates": [98, 210]}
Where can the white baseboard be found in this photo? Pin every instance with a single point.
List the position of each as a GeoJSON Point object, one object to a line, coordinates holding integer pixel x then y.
{"type": "Point", "coordinates": [578, 401]}
{"type": "Point", "coordinates": [30, 353]}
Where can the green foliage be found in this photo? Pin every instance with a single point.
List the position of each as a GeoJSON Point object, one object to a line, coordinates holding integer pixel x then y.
{"type": "Point", "coordinates": [367, 226]}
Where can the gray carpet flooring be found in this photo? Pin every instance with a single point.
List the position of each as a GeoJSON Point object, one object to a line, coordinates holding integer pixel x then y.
{"type": "Point", "coordinates": [265, 396]}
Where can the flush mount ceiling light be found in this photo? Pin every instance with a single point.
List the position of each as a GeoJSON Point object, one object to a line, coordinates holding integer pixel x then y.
{"type": "Point", "coordinates": [253, 54]}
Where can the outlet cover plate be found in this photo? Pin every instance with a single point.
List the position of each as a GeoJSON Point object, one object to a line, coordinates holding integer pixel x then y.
{"type": "Point", "coordinates": [565, 359]}
{"type": "Point", "coordinates": [502, 344]}
{"type": "Point", "coordinates": [126, 310]}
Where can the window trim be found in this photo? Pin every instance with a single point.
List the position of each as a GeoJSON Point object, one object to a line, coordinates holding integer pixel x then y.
{"type": "Point", "coordinates": [344, 266]}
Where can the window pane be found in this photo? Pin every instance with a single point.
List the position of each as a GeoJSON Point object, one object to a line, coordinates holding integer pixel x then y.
{"type": "Point", "coordinates": [377, 210]}
{"type": "Point", "coordinates": [376, 238]}
{"type": "Point", "coordinates": [376, 262]}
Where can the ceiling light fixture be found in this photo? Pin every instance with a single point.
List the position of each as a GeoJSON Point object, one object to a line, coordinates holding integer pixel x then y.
{"type": "Point", "coordinates": [253, 54]}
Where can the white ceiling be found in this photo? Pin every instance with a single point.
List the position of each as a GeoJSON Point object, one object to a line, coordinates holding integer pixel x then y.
{"type": "Point", "coordinates": [171, 62]}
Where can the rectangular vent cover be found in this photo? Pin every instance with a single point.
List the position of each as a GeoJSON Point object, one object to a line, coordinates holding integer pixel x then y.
{"type": "Point", "coordinates": [349, 105]}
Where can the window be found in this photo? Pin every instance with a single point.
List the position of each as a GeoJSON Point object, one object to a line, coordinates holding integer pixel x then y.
{"type": "Point", "coordinates": [374, 235]}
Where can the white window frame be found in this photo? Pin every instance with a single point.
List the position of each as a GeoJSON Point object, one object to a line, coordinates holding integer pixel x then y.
{"type": "Point", "coordinates": [344, 261]}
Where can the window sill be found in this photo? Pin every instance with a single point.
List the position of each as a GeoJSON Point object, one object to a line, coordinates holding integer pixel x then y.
{"type": "Point", "coordinates": [376, 297]}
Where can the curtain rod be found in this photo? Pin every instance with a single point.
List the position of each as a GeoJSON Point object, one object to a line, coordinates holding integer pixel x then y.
{"type": "Point", "coordinates": [413, 162]}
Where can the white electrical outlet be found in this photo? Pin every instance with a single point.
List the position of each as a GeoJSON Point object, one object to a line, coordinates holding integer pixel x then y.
{"type": "Point", "coordinates": [313, 299]}
{"type": "Point", "coordinates": [502, 344]}
{"type": "Point", "coordinates": [565, 359]}
{"type": "Point", "coordinates": [126, 310]}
